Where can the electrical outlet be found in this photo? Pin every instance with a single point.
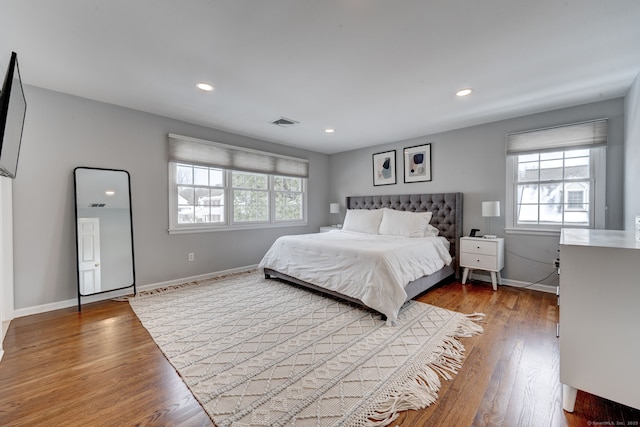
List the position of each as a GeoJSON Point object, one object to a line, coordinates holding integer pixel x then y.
{"type": "Point", "coordinates": [191, 256]}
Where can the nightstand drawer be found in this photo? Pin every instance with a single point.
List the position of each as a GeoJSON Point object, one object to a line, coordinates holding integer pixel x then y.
{"type": "Point", "coordinates": [477, 246]}
{"type": "Point", "coordinates": [481, 261]}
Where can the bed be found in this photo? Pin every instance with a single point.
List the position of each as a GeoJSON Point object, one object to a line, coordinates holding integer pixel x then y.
{"type": "Point", "coordinates": [393, 267]}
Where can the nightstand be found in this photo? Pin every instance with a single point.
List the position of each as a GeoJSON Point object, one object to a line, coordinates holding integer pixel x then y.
{"type": "Point", "coordinates": [324, 229]}
{"type": "Point", "coordinates": [477, 253]}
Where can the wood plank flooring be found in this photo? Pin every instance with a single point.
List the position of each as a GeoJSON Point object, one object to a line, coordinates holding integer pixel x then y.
{"type": "Point", "coordinates": [100, 367]}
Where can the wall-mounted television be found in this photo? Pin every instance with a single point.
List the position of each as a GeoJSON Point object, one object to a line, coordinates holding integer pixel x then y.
{"type": "Point", "coordinates": [13, 108]}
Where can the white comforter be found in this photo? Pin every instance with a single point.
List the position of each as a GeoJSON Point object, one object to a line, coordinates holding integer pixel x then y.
{"type": "Point", "coordinates": [371, 268]}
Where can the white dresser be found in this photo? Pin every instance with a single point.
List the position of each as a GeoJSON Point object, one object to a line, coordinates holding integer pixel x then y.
{"type": "Point", "coordinates": [600, 315]}
{"type": "Point", "coordinates": [478, 253]}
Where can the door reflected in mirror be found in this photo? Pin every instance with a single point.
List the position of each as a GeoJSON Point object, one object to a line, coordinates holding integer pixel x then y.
{"type": "Point", "coordinates": [104, 231]}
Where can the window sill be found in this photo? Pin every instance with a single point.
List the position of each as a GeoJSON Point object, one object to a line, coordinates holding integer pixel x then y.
{"type": "Point", "coordinates": [204, 229]}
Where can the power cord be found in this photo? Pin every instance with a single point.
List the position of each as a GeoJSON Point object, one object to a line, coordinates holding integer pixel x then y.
{"type": "Point", "coordinates": [528, 259]}
{"type": "Point", "coordinates": [540, 262]}
{"type": "Point", "coordinates": [542, 280]}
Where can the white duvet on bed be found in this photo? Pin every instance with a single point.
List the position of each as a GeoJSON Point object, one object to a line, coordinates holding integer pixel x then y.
{"type": "Point", "coordinates": [369, 267]}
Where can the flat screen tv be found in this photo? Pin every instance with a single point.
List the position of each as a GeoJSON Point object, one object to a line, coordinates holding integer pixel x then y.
{"type": "Point", "coordinates": [13, 108]}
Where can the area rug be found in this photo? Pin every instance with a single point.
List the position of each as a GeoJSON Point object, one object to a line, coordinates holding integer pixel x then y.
{"type": "Point", "coordinates": [258, 352]}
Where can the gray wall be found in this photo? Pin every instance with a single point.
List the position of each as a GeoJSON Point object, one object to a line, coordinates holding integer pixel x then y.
{"type": "Point", "coordinates": [632, 155]}
{"type": "Point", "coordinates": [62, 132]}
{"type": "Point", "coordinates": [472, 161]}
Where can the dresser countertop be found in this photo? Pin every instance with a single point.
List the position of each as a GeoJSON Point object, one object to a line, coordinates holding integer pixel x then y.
{"type": "Point", "coordinates": [599, 238]}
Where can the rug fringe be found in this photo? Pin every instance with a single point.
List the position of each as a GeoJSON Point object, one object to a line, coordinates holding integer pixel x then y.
{"type": "Point", "coordinates": [422, 390]}
{"type": "Point", "coordinates": [476, 317]}
{"type": "Point", "coordinates": [470, 326]}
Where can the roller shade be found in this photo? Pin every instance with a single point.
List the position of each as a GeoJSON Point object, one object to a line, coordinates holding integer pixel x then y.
{"type": "Point", "coordinates": [213, 154]}
{"type": "Point", "coordinates": [577, 135]}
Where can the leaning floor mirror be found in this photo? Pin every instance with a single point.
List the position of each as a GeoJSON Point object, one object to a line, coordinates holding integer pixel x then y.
{"type": "Point", "coordinates": [104, 231]}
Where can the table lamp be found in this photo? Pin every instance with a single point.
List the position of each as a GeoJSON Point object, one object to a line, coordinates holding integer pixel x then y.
{"type": "Point", "coordinates": [490, 209]}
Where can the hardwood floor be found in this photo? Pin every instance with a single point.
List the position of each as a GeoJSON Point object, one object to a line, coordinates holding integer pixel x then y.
{"type": "Point", "coordinates": [100, 367]}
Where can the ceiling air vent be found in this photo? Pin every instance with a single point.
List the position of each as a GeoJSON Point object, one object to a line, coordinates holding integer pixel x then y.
{"type": "Point", "coordinates": [284, 122]}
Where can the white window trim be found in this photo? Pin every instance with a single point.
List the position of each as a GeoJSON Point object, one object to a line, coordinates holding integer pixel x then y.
{"type": "Point", "coordinates": [229, 225]}
{"type": "Point", "coordinates": [599, 174]}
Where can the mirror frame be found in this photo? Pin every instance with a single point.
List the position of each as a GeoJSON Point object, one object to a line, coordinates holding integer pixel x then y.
{"type": "Point", "coordinates": [75, 198]}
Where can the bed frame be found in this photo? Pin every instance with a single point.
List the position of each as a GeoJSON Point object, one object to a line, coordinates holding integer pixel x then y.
{"type": "Point", "coordinates": [447, 218]}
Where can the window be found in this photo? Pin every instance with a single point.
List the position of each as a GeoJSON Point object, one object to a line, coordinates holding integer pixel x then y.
{"type": "Point", "coordinates": [550, 188]}
{"type": "Point", "coordinates": [289, 198]}
{"type": "Point", "coordinates": [556, 177]}
{"type": "Point", "coordinates": [250, 197]}
{"type": "Point", "coordinates": [200, 193]}
{"type": "Point", "coordinates": [206, 197]}
{"type": "Point", "coordinates": [576, 198]}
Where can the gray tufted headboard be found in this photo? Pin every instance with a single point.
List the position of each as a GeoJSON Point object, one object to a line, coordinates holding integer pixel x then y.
{"type": "Point", "coordinates": [446, 208]}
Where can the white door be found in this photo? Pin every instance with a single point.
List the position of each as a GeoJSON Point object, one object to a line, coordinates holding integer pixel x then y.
{"type": "Point", "coordinates": [89, 255]}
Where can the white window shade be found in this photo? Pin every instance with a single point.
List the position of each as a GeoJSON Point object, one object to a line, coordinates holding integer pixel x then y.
{"type": "Point", "coordinates": [578, 135]}
{"type": "Point", "coordinates": [213, 154]}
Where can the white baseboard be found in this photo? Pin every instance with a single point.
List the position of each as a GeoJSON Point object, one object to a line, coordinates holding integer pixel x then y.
{"type": "Point", "coordinates": [27, 311]}
{"type": "Point", "coordinates": [517, 284]}
{"type": "Point", "coordinates": [5, 327]}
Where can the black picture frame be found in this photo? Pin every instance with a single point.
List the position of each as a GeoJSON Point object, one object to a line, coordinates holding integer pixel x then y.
{"type": "Point", "coordinates": [417, 163]}
{"type": "Point", "coordinates": [384, 168]}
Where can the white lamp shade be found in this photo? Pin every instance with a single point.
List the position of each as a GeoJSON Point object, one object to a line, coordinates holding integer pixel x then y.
{"type": "Point", "coordinates": [334, 208]}
{"type": "Point", "coordinates": [491, 208]}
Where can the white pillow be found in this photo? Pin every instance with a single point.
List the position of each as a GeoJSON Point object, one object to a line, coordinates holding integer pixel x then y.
{"type": "Point", "coordinates": [431, 231]}
{"type": "Point", "coordinates": [362, 220]}
{"type": "Point", "coordinates": [402, 223]}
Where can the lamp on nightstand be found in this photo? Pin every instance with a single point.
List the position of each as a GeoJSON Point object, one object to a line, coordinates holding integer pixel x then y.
{"type": "Point", "coordinates": [490, 209]}
{"type": "Point", "coordinates": [334, 208]}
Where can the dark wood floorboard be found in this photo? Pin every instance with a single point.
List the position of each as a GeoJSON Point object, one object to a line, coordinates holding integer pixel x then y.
{"type": "Point", "coordinates": [101, 367]}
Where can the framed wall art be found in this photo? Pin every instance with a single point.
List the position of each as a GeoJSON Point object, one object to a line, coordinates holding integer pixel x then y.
{"type": "Point", "coordinates": [417, 163]}
{"type": "Point", "coordinates": [384, 168]}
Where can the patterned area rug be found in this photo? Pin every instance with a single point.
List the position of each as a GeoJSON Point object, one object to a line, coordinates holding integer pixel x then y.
{"type": "Point", "coordinates": [258, 352]}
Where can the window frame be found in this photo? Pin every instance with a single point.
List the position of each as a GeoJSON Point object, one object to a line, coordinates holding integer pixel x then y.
{"type": "Point", "coordinates": [596, 200]}
{"type": "Point", "coordinates": [229, 224]}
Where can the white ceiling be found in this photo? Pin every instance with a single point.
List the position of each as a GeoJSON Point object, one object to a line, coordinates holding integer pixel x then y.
{"type": "Point", "coordinates": [377, 71]}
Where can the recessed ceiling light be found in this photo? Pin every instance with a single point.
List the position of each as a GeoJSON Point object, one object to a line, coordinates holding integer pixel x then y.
{"type": "Point", "coordinates": [329, 130]}
{"type": "Point", "coordinates": [206, 87]}
{"type": "Point", "coordinates": [110, 193]}
{"type": "Point", "coordinates": [464, 92]}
